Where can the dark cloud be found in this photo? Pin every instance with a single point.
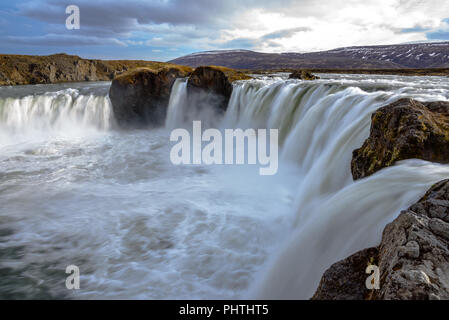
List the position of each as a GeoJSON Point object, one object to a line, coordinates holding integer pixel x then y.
{"type": "Point", "coordinates": [125, 16]}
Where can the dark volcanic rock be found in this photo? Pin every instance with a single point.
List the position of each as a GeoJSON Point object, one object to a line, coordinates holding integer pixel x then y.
{"type": "Point", "coordinates": [210, 86]}
{"type": "Point", "coordinates": [141, 97]}
{"type": "Point", "coordinates": [413, 256]}
{"type": "Point", "coordinates": [351, 286]}
{"type": "Point", "coordinates": [303, 75]}
{"type": "Point", "coordinates": [405, 129]}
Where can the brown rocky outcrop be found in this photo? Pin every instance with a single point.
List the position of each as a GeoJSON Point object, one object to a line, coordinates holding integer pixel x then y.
{"type": "Point", "coordinates": [303, 75]}
{"type": "Point", "coordinates": [405, 129]}
{"type": "Point", "coordinates": [413, 257]}
{"type": "Point", "coordinates": [140, 97]}
{"type": "Point", "coordinates": [21, 69]}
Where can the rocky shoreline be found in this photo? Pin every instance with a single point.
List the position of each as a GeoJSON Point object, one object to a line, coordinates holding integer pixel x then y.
{"type": "Point", "coordinates": [57, 68]}
{"type": "Point", "coordinates": [413, 256]}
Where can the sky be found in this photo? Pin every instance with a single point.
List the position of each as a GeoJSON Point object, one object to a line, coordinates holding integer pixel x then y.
{"type": "Point", "coordinates": [165, 29]}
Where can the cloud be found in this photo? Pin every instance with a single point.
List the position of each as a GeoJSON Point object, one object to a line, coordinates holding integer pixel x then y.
{"type": "Point", "coordinates": [440, 34]}
{"type": "Point", "coordinates": [260, 25]}
{"type": "Point", "coordinates": [286, 33]}
{"type": "Point", "coordinates": [57, 40]}
{"type": "Point", "coordinates": [414, 30]}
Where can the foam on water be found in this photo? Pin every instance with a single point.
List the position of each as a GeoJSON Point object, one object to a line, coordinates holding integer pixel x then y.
{"type": "Point", "coordinates": [73, 190]}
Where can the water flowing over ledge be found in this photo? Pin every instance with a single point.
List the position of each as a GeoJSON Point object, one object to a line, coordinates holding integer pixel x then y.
{"type": "Point", "coordinates": [230, 233]}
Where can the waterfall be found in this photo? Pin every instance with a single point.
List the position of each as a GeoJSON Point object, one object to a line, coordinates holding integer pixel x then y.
{"type": "Point", "coordinates": [177, 104]}
{"type": "Point", "coordinates": [196, 231]}
{"type": "Point", "coordinates": [55, 111]}
{"type": "Point", "coordinates": [320, 124]}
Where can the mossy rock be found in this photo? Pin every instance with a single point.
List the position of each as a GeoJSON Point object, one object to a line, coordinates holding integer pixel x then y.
{"type": "Point", "coordinates": [211, 86]}
{"type": "Point", "coordinates": [140, 97]}
{"type": "Point", "coordinates": [303, 75]}
{"type": "Point", "coordinates": [406, 129]}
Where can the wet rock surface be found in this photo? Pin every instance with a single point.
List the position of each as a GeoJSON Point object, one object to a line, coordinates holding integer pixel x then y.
{"type": "Point", "coordinates": [413, 257]}
{"type": "Point", "coordinates": [140, 97]}
{"type": "Point", "coordinates": [405, 129]}
{"type": "Point", "coordinates": [209, 86]}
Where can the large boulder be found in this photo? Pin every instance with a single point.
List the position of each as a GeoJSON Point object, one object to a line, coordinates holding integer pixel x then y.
{"type": "Point", "coordinates": [140, 97]}
{"type": "Point", "coordinates": [413, 257]}
{"type": "Point", "coordinates": [405, 129]}
{"type": "Point", "coordinates": [345, 279]}
{"type": "Point", "coordinates": [211, 86]}
{"type": "Point", "coordinates": [303, 75]}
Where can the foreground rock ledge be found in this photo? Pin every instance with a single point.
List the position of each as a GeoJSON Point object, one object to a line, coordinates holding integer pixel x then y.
{"type": "Point", "coordinates": [405, 129]}
{"type": "Point", "coordinates": [140, 97]}
{"type": "Point", "coordinates": [413, 257]}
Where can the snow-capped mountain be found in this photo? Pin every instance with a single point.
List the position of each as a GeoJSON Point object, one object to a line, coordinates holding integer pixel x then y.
{"type": "Point", "coordinates": [415, 55]}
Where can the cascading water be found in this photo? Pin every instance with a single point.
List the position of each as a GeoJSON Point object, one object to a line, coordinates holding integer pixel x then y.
{"type": "Point", "coordinates": [320, 125]}
{"type": "Point", "coordinates": [111, 202]}
{"type": "Point", "coordinates": [63, 111]}
{"type": "Point", "coordinates": [177, 105]}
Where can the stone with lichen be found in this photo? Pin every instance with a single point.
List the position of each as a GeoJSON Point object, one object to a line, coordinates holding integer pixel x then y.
{"type": "Point", "coordinates": [405, 129]}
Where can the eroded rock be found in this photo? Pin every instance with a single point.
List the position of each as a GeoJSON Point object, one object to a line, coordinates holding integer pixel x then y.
{"type": "Point", "coordinates": [140, 97]}
{"type": "Point", "coordinates": [413, 257]}
{"type": "Point", "coordinates": [303, 75]}
{"type": "Point", "coordinates": [345, 280]}
{"type": "Point", "coordinates": [209, 86]}
{"type": "Point", "coordinates": [405, 129]}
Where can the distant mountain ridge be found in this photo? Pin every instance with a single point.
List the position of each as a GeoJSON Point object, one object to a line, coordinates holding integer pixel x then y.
{"type": "Point", "coordinates": [414, 55]}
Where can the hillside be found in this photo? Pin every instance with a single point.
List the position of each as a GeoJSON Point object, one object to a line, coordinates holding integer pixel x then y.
{"type": "Point", "coordinates": [21, 69]}
{"type": "Point", "coordinates": [417, 56]}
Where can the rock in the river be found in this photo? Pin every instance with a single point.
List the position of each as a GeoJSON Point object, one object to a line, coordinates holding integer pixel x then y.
{"type": "Point", "coordinates": [413, 257]}
{"type": "Point", "coordinates": [212, 86]}
{"type": "Point", "coordinates": [140, 97]}
{"type": "Point", "coordinates": [403, 130]}
{"type": "Point", "coordinates": [303, 75]}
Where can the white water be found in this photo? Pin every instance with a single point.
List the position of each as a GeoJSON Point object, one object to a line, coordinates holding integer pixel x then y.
{"type": "Point", "coordinates": [75, 191]}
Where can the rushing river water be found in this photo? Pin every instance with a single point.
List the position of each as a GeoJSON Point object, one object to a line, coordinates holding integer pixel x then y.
{"type": "Point", "coordinates": [75, 190]}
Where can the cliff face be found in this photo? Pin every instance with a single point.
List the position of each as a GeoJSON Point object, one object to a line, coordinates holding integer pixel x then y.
{"type": "Point", "coordinates": [405, 129]}
{"type": "Point", "coordinates": [21, 70]}
{"type": "Point", "coordinates": [413, 257]}
{"type": "Point", "coordinates": [141, 96]}
{"type": "Point", "coordinates": [209, 86]}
